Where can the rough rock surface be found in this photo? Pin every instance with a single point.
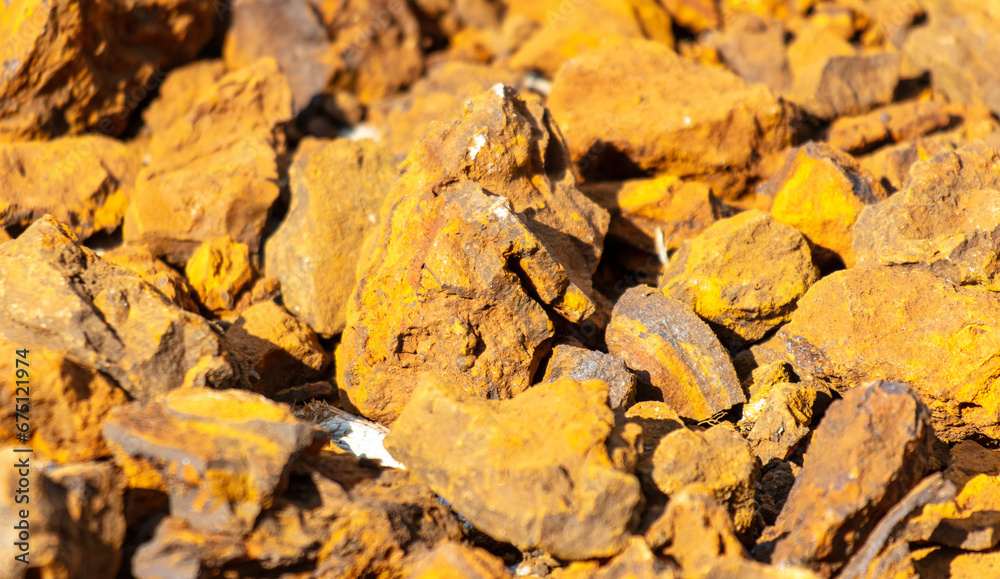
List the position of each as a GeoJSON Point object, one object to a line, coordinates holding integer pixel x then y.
{"type": "Point", "coordinates": [619, 107]}
{"type": "Point", "coordinates": [218, 270]}
{"type": "Point", "coordinates": [213, 171]}
{"type": "Point", "coordinates": [674, 354]}
{"type": "Point", "coordinates": [458, 560]}
{"type": "Point", "coordinates": [314, 250]}
{"type": "Point", "coordinates": [483, 245]}
{"type": "Point", "coordinates": [533, 471]}
{"type": "Point", "coordinates": [635, 560]}
{"type": "Point", "coordinates": [581, 364]}
{"type": "Point", "coordinates": [743, 275]}
{"type": "Point", "coordinates": [695, 530]}
{"type": "Point", "coordinates": [914, 327]}
{"type": "Point", "coordinates": [872, 447]}
{"type": "Point", "coordinates": [946, 219]}
{"type": "Point", "coordinates": [784, 413]}
{"type": "Point", "coordinates": [282, 350]}
{"type": "Point", "coordinates": [847, 84]}
{"type": "Point", "coordinates": [104, 317]}
{"type": "Point", "coordinates": [220, 455]}
{"type": "Point", "coordinates": [890, 124]}
{"type": "Point", "coordinates": [55, 80]}
{"type": "Point", "coordinates": [820, 193]}
{"type": "Point", "coordinates": [717, 459]}
{"type": "Point", "coordinates": [158, 274]}
{"type": "Point", "coordinates": [970, 521]}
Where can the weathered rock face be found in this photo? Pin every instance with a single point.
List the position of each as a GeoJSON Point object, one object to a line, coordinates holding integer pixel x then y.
{"type": "Point", "coordinates": [846, 84]}
{"type": "Point", "coordinates": [871, 449]}
{"type": "Point", "coordinates": [783, 415]}
{"type": "Point", "coordinates": [104, 317]}
{"type": "Point", "coordinates": [533, 471]}
{"type": "Point", "coordinates": [695, 530]}
{"type": "Point", "coordinates": [753, 47]}
{"type": "Point", "coordinates": [484, 243]}
{"type": "Point", "coordinates": [213, 171]}
{"type": "Point", "coordinates": [155, 272]}
{"type": "Point", "coordinates": [635, 560]}
{"type": "Point", "coordinates": [889, 124]}
{"type": "Point", "coordinates": [915, 327]}
{"type": "Point", "coordinates": [218, 270]}
{"type": "Point", "coordinates": [820, 193]}
{"type": "Point", "coordinates": [314, 252]}
{"type": "Point", "coordinates": [458, 560]}
{"type": "Point", "coordinates": [619, 107]}
{"type": "Point", "coordinates": [945, 219]}
{"type": "Point", "coordinates": [970, 521]}
{"type": "Point", "coordinates": [84, 181]}
{"type": "Point", "coordinates": [743, 275]}
{"type": "Point", "coordinates": [673, 353]}
{"type": "Point", "coordinates": [220, 455]}
{"type": "Point", "coordinates": [55, 79]}
{"type": "Point", "coordinates": [581, 364]}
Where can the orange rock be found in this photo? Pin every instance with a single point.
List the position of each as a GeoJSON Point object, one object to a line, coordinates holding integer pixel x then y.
{"type": "Point", "coordinates": [970, 521]}
{"type": "Point", "coordinates": [820, 193]}
{"type": "Point", "coordinates": [622, 115]}
{"type": "Point", "coordinates": [698, 15]}
{"type": "Point", "coordinates": [533, 471]}
{"type": "Point", "coordinates": [969, 459]}
{"type": "Point", "coordinates": [314, 252]}
{"type": "Point", "coordinates": [743, 275]}
{"type": "Point", "coordinates": [675, 355]}
{"type": "Point", "coordinates": [695, 530]}
{"type": "Point", "coordinates": [218, 270]}
{"type": "Point", "coordinates": [889, 124]}
{"type": "Point", "coordinates": [753, 47]}
{"type": "Point", "coordinates": [636, 561]}
{"type": "Point", "coordinates": [785, 413]}
{"type": "Point", "coordinates": [155, 272]}
{"type": "Point", "coordinates": [484, 226]}
{"type": "Point", "coordinates": [85, 181]}
{"type": "Point", "coordinates": [282, 350]}
{"type": "Point", "coordinates": [56, 82]}
{"type": "Point", "coordinates": [581, 364]}
{"type": "Point", "coordinates": [213, 170]}
{"type": "Point", "coordinates": [777, 8]}
{"type": "Point", "coordinates": [457, 561]}
{"type": "Point", "coordinates": [179, 92]}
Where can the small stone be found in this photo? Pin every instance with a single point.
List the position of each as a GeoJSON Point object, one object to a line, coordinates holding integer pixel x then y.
{"type": "Point", "coordinates": [179, 92]}
{"type": "Point", "coordinates": [753, 47]}
{"type": "Point", "coordinates": [533, 471]}
{"type": "Point", "coordinates": [581, 364]}
{"type": "Point", "coordinates": [314, 251]}
{"type": "Point", "coordinates": [282, 350]}
{"type": "Point", "coordinates": [674, 354]}
{"type": "Point", "coordinates": [717, 458]}
{"type": "Point", "coordinates": [218, 271]}
{"type": "Point", "coordinates": [729, 567]}
{"type": "Point", "coordinates": [890, 124]}
{"type": "Point", "coordinates": [156, 273]}
{"type": "Point", "coordinates": [636, 561]}
{"type": "Point", "coordinates": [743, 275]}
{"type": "Point", "coordinates": [820, 193]}
{"type": "Point", "coordinates": [105, 317]}
{"type": "Point", "coordinates": [458, 560]}
{"type": "Point", "coordinates": [848, 84]}
{"type": "Point", "coordinates": [969, 459]}
{"type": "Point", "coordinates": [970, 521]}
{"type": "Point", "coordinates": [954, 564]}
{"type": "Point", "coordinates": [872, 447]}
{"type": "Point", "coordinates": [657, 420]}
{"type": "Point", "coordinates": [764, 378]}
{"type": "Point", "coordinates": [695, 530]}
{"type": "Point", "coordinates": [786, 412]}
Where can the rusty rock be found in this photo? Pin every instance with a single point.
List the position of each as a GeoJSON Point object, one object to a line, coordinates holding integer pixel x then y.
{"type": "Point", "coordinates": [695, 530]}
{"type": "Point", "coordinates": [155, 272]}
{"type": "Point", "coordinates": [314, 251]}
{"type": "Point", "coordinates": [636, 561]}
{"type": "Point", "coordinates": [970, 521]}
{"type": "Point", "coordinates": [889, 124]}
{"type": "Point", "coordinates": [105, 317]}
{"type": "Point", "coordinates": [179, 92]}
{"type": "Point", "coordinates": [846, 84]}
{"type": "Point", "coordinates": [968, 459]}
{"type": "Point", "coordinates": [753, 47]}
{"type": "Point", "coordinates": [673, 353]}
{"type": "Point", "coordinates": [784, 414]}
{"type": "Point", "coordinates": [533, 471]}
{"type": "Point", "coordinates": [456, 560]}
{"type": "Point", "coordinates": [218, 270]}
{"type": "Point", "coordinates": [581, 364]}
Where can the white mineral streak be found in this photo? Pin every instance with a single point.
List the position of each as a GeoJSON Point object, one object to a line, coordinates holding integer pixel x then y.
{"type": "Point", "coordinates": [477, 143]}
{"type": "Point", "coordinates": [359, 437]}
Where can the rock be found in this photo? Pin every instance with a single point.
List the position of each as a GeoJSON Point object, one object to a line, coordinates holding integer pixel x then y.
{"type": "Point", "coordinates": [695, 530]}
{"type": "Point", "coordinates": [673, 353]}
{"type": "Point", "coordinates": [955, 564]}
{"type": "Point", "coordinates": [970, 521]}
{"type": "Point", "coordinates": [458, 560]}
{"type": "Point", "coordinates": [762, 379]}
{"type": "Point", "coordinates": [776, 482]}
{"type": "Point", "coordinates": [786, 412]}
{"type": "Point", "coordinates": [105, 317]}
{"type": "Point", "coordinates": [85, 181]}
{"type": "Point", "coordinates": [68, 403]}
{"type": "Point", "coordinates": [969, 459]}
{"type": "Point", "coordinates": [220, 455]}
{"type": "Point", "coordinates": [314, 250]}
{"type": "Point", "coordinates": [290, 33]}
{"type": "Point", "coordinates": [657, 420]}
{"type": "Point", "coordinates": [282, 350]}
{"type": "Point", "coordinates": [75, 518]}
{"type": "Point", "coordinates": [218, 270]}
{"type": "Point", "coordinates": [890, 124]}
{"type": "Point", "coordinates": [622, 116]}
{"type": "Point", "coordinates": [635, 561]}
{"type": "Point", "coordinates": [820, 193]}
{"type": "Point", "coordinates": [743, 275]}
{"type": "Point", "coordinates": [698, 15]}
{"type": "Point", "coordinates": [728, 567]}
{"type": "Point", "coordinates": [55, 82]}
{"type": "Point", "coordinates": [156, 273]}
{"type": "Point", "coordinates": [719, 459]}
{"type": "Point", "coordinates": [213, 171]}
{"type": "Point", "coordinates": [484, 226]}
{"type": "Point", "coordinates": [847, 84]}
{"type": "Point", "coordinates": [753, 47]}
{"type": "Point", "coordinates": [581, 364]}
{"type": "Point", "coordinates": [945, 219]}
{"type": "Point", "coordinates": [533, 471]}
{"type": "Point", "coordinates": [891, 165]}
{"type": "Point", "coordinates": [871, 448]}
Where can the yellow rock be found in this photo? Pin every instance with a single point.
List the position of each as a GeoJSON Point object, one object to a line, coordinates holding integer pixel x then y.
{"type": "Point", "coordinates": [218, 271]}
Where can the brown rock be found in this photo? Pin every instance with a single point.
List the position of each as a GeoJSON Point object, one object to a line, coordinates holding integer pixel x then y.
{"type": "Point", "coordinates": [282, 350]}
{"type": "Point", "coordinates": [581, 364]}
{"type": "Point", "coordinates": [221, 455]}
{"type": "Point", "coordinates": [622, 115]}
{"type": "Point", "coordinates": [946, 219]}
{"type": "Point", "coordinates": [213, 170]}
{"type": "Point", "coordinates": [870, 449]}
{"type": "Point", "coordinates": [955, 564]}
{"type": "Point", "coordinates": [889, 124]}
{"type": "Point", "coordinates": [743, 275]}
{"type": "Point", "coordinates": [858, 325]}
{"type": "Point", "coordinates": [314, 251]}
{"type": "Point", "coordinates": [533, 471]}
{"type": "Point", "coordinates": [104, 317]}
{"type": "Point", "coordinates": [218, 270]}
{"type": "Point", "coordinates": [673, 353]}
{"type": "Point", "coordinates": [636, 561]}
{"type": "Point", "coordinates": [695, 530]}
{"type": "Point", "coordinates": [969, 459]}
{"type": "Point", "coordinates": [484, 226]}
{"type": "Point", "coordinates": [657, 420]}
{"type": "Point", "coordinates": [719, 459]}
{"type": "Point", "coordinates": [55, 81]}
{"type": "Point", "coordinates": [820, 193]}
{"type": "Point", "coordinates": [970, 521]}
{"type": "Point", "coordinates": [156, 273]}
{"type": "Point", "coordinates": [784, 414]}
{"type": "Point", "coordinates": [846, 84]}
{"type": "Point", "coordinates": [75, 523]}
{"type": "Point", "coordinates": [457, 561]}
{"type": "Point", "coordinates": [66, 403]}
{"type": "Point", "coordinates": [753, 47]}
{"type": "Point", "coordinates": [891, 165]}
